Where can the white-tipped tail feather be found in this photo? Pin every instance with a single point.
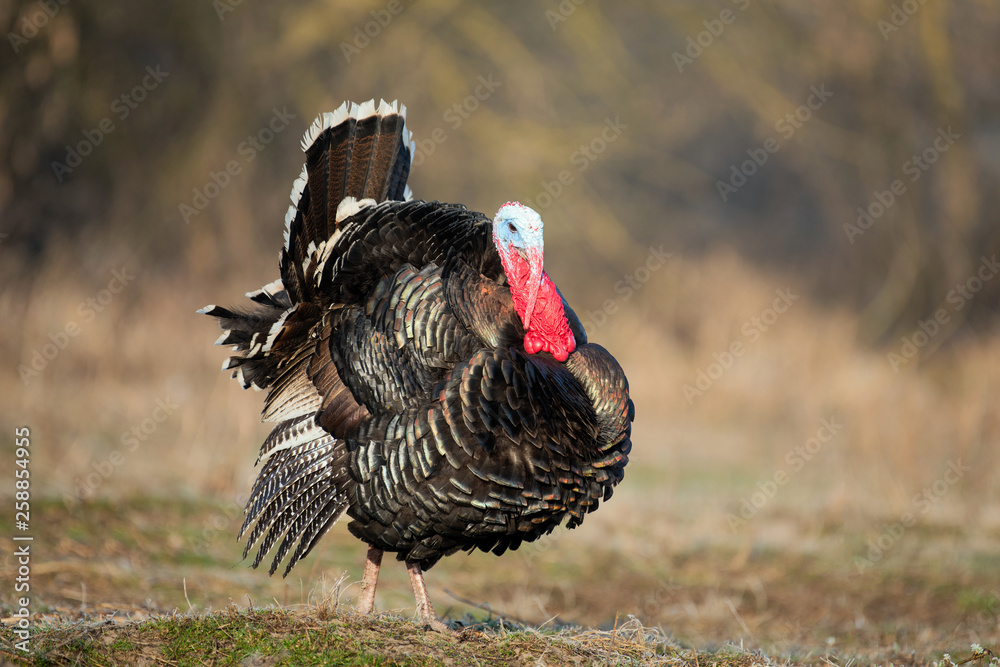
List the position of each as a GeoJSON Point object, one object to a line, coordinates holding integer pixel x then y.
{"type": "Point", "coordinates": [359, 112]}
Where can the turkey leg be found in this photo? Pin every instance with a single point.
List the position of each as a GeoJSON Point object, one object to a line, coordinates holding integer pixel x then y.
{"type": "Point", "coordinates": [425, 610]}
{"type": "Point", "coordinates": [367, 600]}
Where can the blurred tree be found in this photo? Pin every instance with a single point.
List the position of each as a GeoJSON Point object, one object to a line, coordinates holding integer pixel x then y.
{"type": "Point", "coordinates": [697, 90]}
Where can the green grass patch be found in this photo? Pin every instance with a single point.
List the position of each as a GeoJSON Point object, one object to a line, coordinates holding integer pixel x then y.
{"type": "Point", "coordinates": [320, 636]}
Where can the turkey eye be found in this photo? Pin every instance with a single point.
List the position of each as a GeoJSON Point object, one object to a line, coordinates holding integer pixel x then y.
{"type": "Point", "coordinates": [511, 228]}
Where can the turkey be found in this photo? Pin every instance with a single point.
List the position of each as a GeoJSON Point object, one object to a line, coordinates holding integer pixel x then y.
{"type": "Point", "coordinates": [424, 374]}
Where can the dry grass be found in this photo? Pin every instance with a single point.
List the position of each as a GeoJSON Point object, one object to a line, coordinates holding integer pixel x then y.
{"type": "Point", "coordinates": [795, 600]}
{"type": "Point", "coordinates": [275, 636]}
{"type": "Point", "coordinates": [900, 429]}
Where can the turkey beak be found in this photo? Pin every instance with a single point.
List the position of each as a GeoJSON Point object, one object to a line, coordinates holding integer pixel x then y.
{"type": "Point", "coordinates": [535, 257]}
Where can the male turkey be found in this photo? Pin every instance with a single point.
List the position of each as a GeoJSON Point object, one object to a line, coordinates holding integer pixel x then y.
{"type": "Point", "coordinates": [425, 374]}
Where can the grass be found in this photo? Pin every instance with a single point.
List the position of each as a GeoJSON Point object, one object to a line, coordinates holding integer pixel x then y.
{"type": "Point", "coordinates": [138, 581]}
{"type": "Point", "coordinates": [268, 637]}
{"type": "Point", "coordinates": [324, 636]}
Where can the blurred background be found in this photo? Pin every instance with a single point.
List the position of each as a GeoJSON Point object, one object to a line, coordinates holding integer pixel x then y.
{"type": "Point", "coordinates": [780, 217]}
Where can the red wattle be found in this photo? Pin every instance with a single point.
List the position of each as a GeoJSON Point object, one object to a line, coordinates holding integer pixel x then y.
{"type": "Point", "coordinates": [532, 343]}
{"type": "Point", "coordinates": [549, 330]}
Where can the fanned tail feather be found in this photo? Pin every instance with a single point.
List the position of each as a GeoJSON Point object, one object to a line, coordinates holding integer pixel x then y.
{"type": "Point", "coordinates": [356, 156]}
{"type": "Point", "coordinates": [299, 494]}
{"type": "Point", "coordinates": [248, 332]}
{"type": "Point", "coordinates": [360, 152]}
